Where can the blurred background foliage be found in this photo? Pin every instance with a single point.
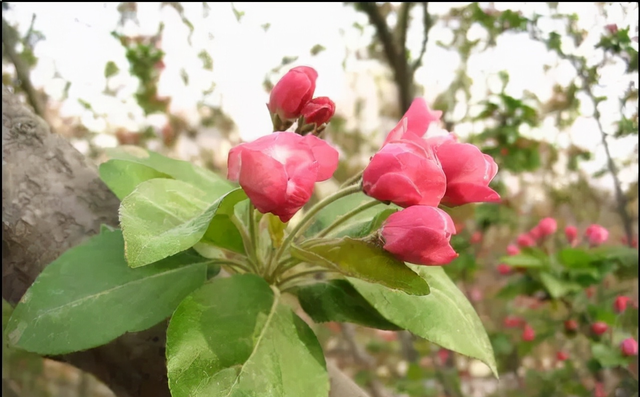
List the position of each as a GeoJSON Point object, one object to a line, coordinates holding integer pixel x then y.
{"type": "Point", "coordinates": [549, 90]}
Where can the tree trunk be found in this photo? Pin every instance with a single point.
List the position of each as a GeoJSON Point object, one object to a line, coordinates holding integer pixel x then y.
{"type": "Point", "coordinates": [52, 200]}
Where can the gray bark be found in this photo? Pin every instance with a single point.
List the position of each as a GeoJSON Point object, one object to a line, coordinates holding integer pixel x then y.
{"type": "Point", "coordinates": [53, 199]}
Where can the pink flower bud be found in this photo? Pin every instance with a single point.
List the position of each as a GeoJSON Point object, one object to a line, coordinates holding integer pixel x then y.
{"type": "Point", "coordinates": [629, 347]}
{"type": "Point", "coordinates": [468, 173]}
{"type": "Point", "coordinates": [292, 92]}
{"type": "Point", "coordinates": [562, 356]}
{"type": "Point", "coordinates": [476, 237]}
{"type": "Point", "coordinates": [513, 322]}
{"type": "Point", "coordinates": [512, 250]}
{"type": "Point", "coordinates": [599, 391]}
{"type": "Point", "coordinates": [535, 233]}
{"type": "Point", "coordinates": [571, 325]}
{"type": "Point", "coordinates": [318, 110]}
{"type": "Point", "coordinates": [406, 174]}
{"type": "Point", "coordinates": [528, 334]}
{"type": "Point", "coordinates": [525, 240]}
{"type": "Point", "coordinates": [620, 304]}
{"type": "Point", "coordinates": [443, 355]}
{"type": "Point", "coordinates": [420, 235]}
{"type": "Point", "coordinates": [571, 232]}
{"type": "Point", "coordinates": [547, 227]}
{"type": "Point", "coordinates": [415, 121]}
{"type": "Point", "coordinates": [503, 269]}
{"type": "Point", "coordinates": [596, 234]}
{"type": "Point", "coordinates": [278, 171]}
{"type": "Point", "coordinates": [612, 28]}
{"type": "Point", "coordinates": [599, 328]}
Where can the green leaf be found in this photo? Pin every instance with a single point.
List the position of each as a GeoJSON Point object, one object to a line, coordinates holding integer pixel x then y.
{"type": "Point", "coordinates": [557, 287]}
{"type": "Point", "coordinates": [574, 258]}
{"type": "Point", "coordinates": [523, 260]}
{"type": "Point", "coordinates": [164, 216]}
{"type": "Point", "coordinates": [89, 296]}
{"type": "Point", "coordinates": [337, 300]}
{"type": "Point", "coordinates": [222, 232]}
{"type": "Point", "coordinates": [122, 176]}
{"type": "Point", "coordinates": [444, 317]}
{"type": "Point", "coordinates": [233, 338]}
{"type": "Point", "coordinates": [184, 171]}
{"type": "Point", "coordinates": [361, 259]}
{"type": "Point", "coordinates": [521, 286]}
{"type": "Point", "coordinates": [607, 356]}
{"type": "Point", "coordinates": [110, 69]}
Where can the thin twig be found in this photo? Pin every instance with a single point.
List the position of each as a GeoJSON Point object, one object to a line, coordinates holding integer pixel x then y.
{"type": "Point", "coordinates": [364, 359]}
{"type": "Point", "coordinates": [10, 40]}
{"type": "Point", "coordinates": [428, 23]}
{"type": "Point", "coordinates": [403, 24]}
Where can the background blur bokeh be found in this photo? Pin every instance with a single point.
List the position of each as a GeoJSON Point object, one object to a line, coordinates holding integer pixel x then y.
{"type": "Point", "coordinates": [550, 90]}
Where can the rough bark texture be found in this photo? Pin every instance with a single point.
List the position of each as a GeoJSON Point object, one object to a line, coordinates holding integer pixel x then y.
{"type": "Point", "coordinates": [53, 199]}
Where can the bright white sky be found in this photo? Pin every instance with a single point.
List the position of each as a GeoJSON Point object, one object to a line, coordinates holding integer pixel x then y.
{"type": "Point", "coordinates": [78, 45]}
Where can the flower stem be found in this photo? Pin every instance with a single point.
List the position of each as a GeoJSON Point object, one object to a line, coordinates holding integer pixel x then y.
{"type": "Point", "coordinates": [352, 180]}
{"type": "Point", "coordinates": [284, 265]}
{"type": "Point", "coordinates": [247, 242]}
{"type": "Point", "coordinates": [253, 237]}
{"type": "Point", "coordinates": [287, 282]}
{"type": "Point", "coordinates": [347, 216]}
{"type": "Point", "coordinates": [309, 215]}
{"type": "Point", "coordinates": [234, 264]}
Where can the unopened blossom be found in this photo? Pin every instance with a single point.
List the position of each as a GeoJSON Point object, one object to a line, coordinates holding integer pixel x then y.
{"type": "Point", "coordinates": [503, 269]}
{"type": "Point", "coordinates": [596, 235]}
{"type": "Point", "coordinates": [528, 334]}
{"type": "Point", "coordinates": [599, 327]}
{"type": "Point", "coordinates": [513, 322]}
{"type": "Point", "coordinates": [571, 325]}
{"type": "Point", "coordinates": [620, 304]}
{"type": "Point", "coordinates": [278, 171]}
{"type": "Point", "coordinates": [629, 347]}
{"type": "Point", "coordinates": [405, 174]}
{"type": "Point", "coordinates": [547, 226]}
{"type": "Point", "coordinates": [318, 110]}
{"type": "Point", "coordinates": [571, 233]}
{"type": "Point", "coordinates": [419, 234]}
{"type": "Point", "coordinates": [468, 171]}
{"type": "Point", "coordinates": [292, 92]}
{"type": "Point", "coordinates": [525, 240]}
{"type": "Point", "coordinates": [512, 250]}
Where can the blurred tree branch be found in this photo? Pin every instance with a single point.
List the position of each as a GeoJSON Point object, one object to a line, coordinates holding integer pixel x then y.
{"type": "Point", "coordinates": [395, 48]}
{"type": "Point", "coordinates": [9, 42]}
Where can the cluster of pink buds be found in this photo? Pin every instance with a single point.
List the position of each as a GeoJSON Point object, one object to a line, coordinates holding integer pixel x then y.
{"type": "Point", "coordinates": [292, 99]}
{"type": "Point", "coordinates": [278, 172]}
{"type": "Point", "coordinates": [419, 167]}
{"type": "Point", "coordinates": [545, 228]}
{"type": "Point", "coordinates": [594, 234]}
{"type": "Point", "coordinates": [528, 333]}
